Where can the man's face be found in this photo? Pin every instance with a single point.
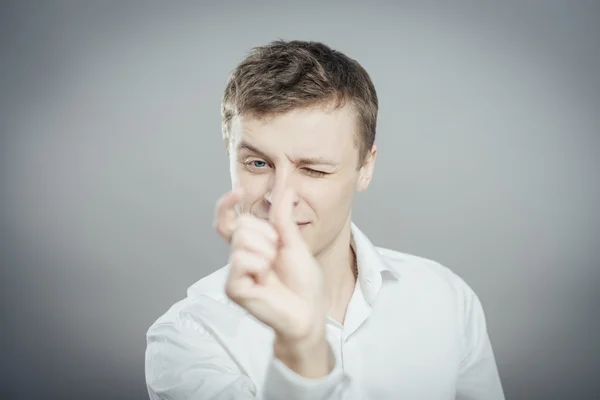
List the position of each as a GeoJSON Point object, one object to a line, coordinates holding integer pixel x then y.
{"type": "Point", "coordinates": [314, 152]}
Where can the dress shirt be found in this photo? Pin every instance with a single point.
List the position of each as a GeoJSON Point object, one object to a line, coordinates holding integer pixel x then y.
{"type": "Point", "coordinates": [413, 330]}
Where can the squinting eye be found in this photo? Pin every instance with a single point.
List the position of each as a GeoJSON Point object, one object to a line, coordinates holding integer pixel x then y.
{"type": "Point", "coordinates": [314, 172]}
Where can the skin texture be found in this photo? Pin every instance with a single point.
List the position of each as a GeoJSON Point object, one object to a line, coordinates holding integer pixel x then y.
{"type": "Point", "coordinates": [288, 219]}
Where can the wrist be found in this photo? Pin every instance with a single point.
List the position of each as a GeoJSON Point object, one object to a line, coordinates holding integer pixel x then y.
{"type": "Point", "coordinates": [308, 356]}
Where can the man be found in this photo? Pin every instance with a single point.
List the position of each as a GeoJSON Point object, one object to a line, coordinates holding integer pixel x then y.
{"type": "Point", "coordinates": [308, 307]}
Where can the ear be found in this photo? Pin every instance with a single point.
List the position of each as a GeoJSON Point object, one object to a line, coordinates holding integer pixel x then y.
{"type": "Point", "coordinates": [366, 170]}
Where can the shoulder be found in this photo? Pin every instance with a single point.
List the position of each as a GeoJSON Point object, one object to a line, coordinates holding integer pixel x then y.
{"type": "Point", "coordinates": [434, 280]}
{"type": "Point", "coordinates": [427, 272]}
{"type": "Point", "coordinates": [205, 300]}
{"type": "Point", "coordinates": [212, 285]}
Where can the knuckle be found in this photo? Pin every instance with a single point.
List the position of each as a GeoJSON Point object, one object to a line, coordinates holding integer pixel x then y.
{"type": "Point", "coordinates": [245, 220]}
{"type": "Point", "coordinates": [265, 264]}
{"type": "Point", "coordinates": [220, 202]}
{"type": "Point", "coordinates": [241, 236]}
{"type": "Point", "coordinates": [231, 292]}
{"type": "Point", "coordinates": [272, 232]}
{"type": "Point", "coordinates": [222, 232]}
{"type": "Point", "coordinates": [236, 259]}
{"type": "Point", "coordinates": [237, 238]}
{"type": "Point", "coordinates": [262, 262]}
{"type": "Point", "coordinates": [271, 255]}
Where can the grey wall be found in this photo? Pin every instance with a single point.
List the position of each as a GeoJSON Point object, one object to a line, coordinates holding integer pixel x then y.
{"type": "Point", "coordinates": [111, 161]}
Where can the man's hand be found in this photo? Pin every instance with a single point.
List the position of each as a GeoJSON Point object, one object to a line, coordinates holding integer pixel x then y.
{"type": "Point", "coordinates": [274, 276]}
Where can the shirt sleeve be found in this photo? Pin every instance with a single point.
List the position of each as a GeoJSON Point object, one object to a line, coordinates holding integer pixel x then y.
{"type": "Point", "coordinates": [283, 383]}
{"type": "Point", "coordinates": [478, 376]}
{"type": "Point", "coordinates": [186, 362]}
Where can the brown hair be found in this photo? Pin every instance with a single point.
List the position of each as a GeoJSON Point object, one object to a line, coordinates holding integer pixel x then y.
{"type": "Point", "coordinates": [284, 75]}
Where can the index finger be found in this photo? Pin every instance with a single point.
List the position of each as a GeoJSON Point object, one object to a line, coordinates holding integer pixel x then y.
{"type": "Point", "coordinates": [226, 214]}
{"type": "Point", "coordinates": [281, 216]}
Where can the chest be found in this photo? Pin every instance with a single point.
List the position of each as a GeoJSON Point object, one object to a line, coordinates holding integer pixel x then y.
{"type": "Point", "coordinates": [410, 350]}
{"type": "Point", "coordinates": [409, 356]}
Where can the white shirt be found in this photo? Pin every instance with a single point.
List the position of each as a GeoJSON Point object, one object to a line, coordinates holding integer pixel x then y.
{"type": "Point", "coordinates": [413, 330]}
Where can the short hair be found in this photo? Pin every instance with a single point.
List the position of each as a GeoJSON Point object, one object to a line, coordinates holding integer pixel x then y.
{"type": "Point", "coordinates": [285, 75]}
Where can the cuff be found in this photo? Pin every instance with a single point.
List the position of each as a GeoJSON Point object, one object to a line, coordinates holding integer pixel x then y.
{"type": "Point", "coordinates": [283, 383]}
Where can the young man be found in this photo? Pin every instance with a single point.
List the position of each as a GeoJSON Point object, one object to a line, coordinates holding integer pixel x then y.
{"type": "Point", "coordinates": [307, 307]}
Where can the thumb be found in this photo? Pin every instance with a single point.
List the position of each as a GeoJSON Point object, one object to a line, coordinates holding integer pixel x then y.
{"type": "Point", "coordinates": [282, 217]}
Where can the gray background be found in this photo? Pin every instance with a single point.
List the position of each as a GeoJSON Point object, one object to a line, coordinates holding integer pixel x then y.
{"type": "Point", "coordinates": [111, 160]}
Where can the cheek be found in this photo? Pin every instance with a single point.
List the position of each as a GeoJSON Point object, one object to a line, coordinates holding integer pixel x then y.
{"type": "Point", "coordinates": [254, 186]}
{"type": "Point", "coordinates": [330, 199]}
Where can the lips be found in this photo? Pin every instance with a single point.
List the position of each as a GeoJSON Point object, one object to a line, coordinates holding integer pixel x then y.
{"type": "Point", "coordinates": [297, 223]}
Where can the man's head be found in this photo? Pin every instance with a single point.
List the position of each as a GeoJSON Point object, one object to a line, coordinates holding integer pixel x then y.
{"type": "Point", "coordinates": [301, 115]}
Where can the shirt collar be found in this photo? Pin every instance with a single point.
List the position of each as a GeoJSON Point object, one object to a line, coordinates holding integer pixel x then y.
{"type": "Point", "coordinates": [372, 267]}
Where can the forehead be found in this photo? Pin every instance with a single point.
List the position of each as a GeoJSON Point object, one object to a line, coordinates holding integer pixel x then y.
{"type": "Point", "coordinates": [300, 132]}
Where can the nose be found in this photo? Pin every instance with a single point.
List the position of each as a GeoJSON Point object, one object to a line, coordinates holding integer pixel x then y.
{"type": "Point", "coordinates": [280, 180]}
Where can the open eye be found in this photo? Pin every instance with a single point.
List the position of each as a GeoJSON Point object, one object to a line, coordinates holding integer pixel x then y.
{"type": "Point", "coordinates": [256, 165]}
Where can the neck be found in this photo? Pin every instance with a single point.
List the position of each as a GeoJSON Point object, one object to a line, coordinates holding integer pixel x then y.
{"type": "Point", "coordinates": [338, 263]}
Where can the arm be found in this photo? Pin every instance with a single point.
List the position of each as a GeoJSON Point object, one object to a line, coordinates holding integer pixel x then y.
{"type": "Point", "coordinates": [283, 382]}
{"type": "Point", "coordinates": [274, 276]}
{"type": "Point", "coordinates": [306, 370]}
{"type": "Point", "coordinates": [478, 376]}
{"type": "Point", "coordinates": [184, 361]}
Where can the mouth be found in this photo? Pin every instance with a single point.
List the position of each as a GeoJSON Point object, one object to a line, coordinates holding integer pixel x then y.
{"type": "Point", "coordinates": [299, 224]}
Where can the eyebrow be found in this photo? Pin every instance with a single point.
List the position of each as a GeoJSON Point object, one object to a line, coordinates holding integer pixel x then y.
{"type": "Point", "coordinates": [304, 160]}
{"type": "Point", "coordinates": [247, 146]}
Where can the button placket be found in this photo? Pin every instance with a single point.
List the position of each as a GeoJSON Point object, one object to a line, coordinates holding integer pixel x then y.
{"type": "Point", "coordinates": [334, 336]}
